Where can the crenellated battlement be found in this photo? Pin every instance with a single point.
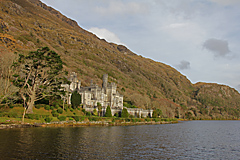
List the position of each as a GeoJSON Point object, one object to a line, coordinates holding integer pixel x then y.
{"type": "Point", "coordinates": [94, 95]}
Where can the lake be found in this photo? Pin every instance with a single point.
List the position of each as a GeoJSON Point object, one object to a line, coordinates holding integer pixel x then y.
{"type": "Point", "coordinates": [185, 140]}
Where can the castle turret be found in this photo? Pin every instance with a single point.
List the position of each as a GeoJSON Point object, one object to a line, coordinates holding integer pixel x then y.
{"type": "Point", "coordinates": [105, 82]}
{"type": "Point", "coordinates": [74, 81]}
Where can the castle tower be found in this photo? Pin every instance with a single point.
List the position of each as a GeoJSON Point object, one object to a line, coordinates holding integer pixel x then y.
{"type": "Point", "coordinates": [79, 84]}
{"type": "Point", "coordinates": [105, 82]}
{"type": "Point", "coordinates": [74, 81]}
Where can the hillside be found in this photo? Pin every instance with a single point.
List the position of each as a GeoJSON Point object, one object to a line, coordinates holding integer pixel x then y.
{"type": "Point", "coordinates": [29, 24]}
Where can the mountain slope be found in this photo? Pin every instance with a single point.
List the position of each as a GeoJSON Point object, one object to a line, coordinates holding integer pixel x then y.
{"type": "Point", "coordinates": [29, 24]}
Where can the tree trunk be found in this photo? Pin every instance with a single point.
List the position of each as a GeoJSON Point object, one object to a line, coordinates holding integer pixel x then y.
{"type": "Point", "coordinates": [24, 105]}
{"type": "Point", "coordinates": [30, 105]}
{"type": "Point", "coordinates": [30, 108]}
{"type": "Point", "coordinates": [24, 112]}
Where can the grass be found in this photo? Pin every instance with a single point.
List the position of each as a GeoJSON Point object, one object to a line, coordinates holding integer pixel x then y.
{"type": "Point", "coordinates": [14, 115]}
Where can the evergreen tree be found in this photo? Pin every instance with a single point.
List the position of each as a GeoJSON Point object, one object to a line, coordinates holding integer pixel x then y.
{"type": "Point", "coordinates": [75, 99]}
{"type": "Point", "coordinates": [99, 108]}
{"type": "Point", "coordinates": [108, 112]}
{"type": "Point", "coordinates": [124, 113]}
{"type": "Point", "coordinates": [38, 76]}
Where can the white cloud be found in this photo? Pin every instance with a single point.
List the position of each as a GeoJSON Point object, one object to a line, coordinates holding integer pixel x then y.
{"type": "Point", "coordinates": [105, 34]}
{"type": "Point", "coordinates": [178, 25]}
{"type": "Point", "coordinates": [217, 46]}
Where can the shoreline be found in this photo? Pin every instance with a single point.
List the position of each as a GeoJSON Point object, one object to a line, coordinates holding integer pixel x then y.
{"type": "Point", "coordinates": [91, 124]}
{"type": "Point", "coordinates": [82, 124]}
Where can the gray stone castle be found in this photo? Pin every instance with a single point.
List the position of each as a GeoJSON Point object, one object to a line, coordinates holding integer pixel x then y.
{"type": "Point", "coordinates": [107, 95]}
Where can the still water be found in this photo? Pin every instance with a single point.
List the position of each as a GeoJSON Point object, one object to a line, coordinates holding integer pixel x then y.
{"type": "Point", "coordinates": [186, 140]}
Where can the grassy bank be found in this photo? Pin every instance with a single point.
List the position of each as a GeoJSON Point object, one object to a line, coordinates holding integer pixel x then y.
{"type": "Point", "coordinates": [54, 116]}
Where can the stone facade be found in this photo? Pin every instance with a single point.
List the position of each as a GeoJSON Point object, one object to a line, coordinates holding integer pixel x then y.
{"type": "Point", "coordinates": [106, 95]}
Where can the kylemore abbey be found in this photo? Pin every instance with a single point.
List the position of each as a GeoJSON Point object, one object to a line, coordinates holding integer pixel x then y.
{"type": "Point", "coordinates": [107, 95]}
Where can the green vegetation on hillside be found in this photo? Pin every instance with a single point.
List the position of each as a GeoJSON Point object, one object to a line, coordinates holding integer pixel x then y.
{"type": "Point", "coordinates": [143, 82]}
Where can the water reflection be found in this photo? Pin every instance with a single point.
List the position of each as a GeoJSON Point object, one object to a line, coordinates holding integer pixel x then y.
{"type": "Point", "coordinates": [188, 140]}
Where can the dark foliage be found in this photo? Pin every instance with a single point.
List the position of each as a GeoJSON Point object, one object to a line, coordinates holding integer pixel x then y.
{"type": "Point", "coordinates": [75, 99]}
{"type": "Point", "coordinates": [108, 112]}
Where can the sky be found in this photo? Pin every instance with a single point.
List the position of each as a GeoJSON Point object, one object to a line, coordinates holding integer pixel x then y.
{"type": "Point", "coordinates": [199, 38]}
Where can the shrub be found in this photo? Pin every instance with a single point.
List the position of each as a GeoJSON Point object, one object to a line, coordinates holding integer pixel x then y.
{"type": "Point", "coordinates": [57, 106]}
{"type": "Point", "coordinates": [95, 118]}
{"type": "Point", "coordinates": [124, 113]}
{"type": "Point", "coordinates": [77, 118]}
{"type": "Point", "coordinates": [90, 119]}
{"type": "Point", "coordinates": [84, 111]}
{"type": "Point", "coordinates": [95, 113]}
{"type": "Point", "coordinates": [38, 106]}
{"type": "Point", "coordinates": [75, 99]}
{"type": "Point", "coordinates": [54, 113]}
{"type": "Point", "coordinates": [60, 110]}
{"type": "Point", "coordinates": [147, 119]}
{"type": "Point", "coordinates": [44, 116]}
{"type": "Point", "coordinates": [108, 112]}
{"type": "Point", "coordinates": [82, 118]}
{"type": "Point", "coordinates": [52, 107]}
{"type": "Point", "coordinates": [47, 107]}
{"type": "Point", "coordinates": [12, 115]}
{"type": "Point", "coordinates": [37, 117]}
{"type": "Point", "coordinates": [131, 116]}
{"type": "Point", "coordinates": [32, 116]}
{"type": "Point", "coordinates": [156, 119]}
{"type": "Point", "coordinates": [62, 118]}
{"type": "Point", "coordinates": [71, 109]}
{"type": "Point", "coordinates": [48, 119]}
{"type": "Point", "coordinates": [70, 119]}
{"type": "Point", "coordinates": [167, 119]}
{"type": "Point", "coordinates": [127, 120]}
{"type": "Point", "coordinates": [66, 108]}
{"type": "Point", "coordinates": [88, 113]}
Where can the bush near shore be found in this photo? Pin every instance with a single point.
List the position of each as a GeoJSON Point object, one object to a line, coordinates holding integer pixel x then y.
{"type": "Point", "coordinates": [55, 113]}
{"type": "Point", "coordinates": [47, 114]}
